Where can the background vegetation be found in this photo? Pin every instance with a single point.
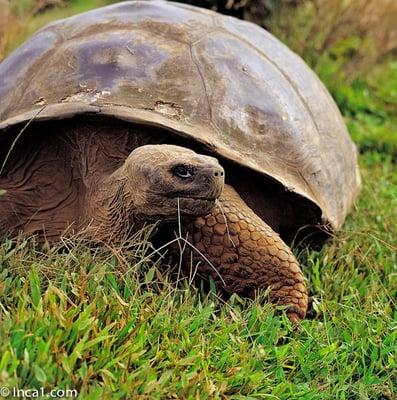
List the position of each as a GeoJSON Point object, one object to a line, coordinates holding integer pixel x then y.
{"type": "Point", "coordinates": [114, 324]}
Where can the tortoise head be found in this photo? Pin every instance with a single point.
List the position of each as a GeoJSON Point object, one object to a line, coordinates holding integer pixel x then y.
{"type": "Point", "coordinates": [165, 181]}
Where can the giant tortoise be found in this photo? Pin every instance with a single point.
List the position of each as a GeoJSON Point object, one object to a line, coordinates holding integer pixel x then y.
{"type": "Point", "coordinates": [123, 116]}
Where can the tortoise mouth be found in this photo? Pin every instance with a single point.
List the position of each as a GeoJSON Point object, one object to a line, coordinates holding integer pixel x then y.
{"type": "Point", "coordinates": [204, 198]}
{"type": "Point", "coordinates": [186, 196]}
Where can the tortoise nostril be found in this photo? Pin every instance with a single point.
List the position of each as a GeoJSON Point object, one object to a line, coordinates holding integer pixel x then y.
{"type": "Point", "coordinates": [218, 173]}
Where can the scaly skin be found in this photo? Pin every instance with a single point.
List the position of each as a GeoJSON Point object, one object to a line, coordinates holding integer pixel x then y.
{"type": "Point", "coordinates": [248, 254]}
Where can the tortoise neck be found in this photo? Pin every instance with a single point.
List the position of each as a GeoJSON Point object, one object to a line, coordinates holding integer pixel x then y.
{"type": "Point", "coordinates": [111, 209]}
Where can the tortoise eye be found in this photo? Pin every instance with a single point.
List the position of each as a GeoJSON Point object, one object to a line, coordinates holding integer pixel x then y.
{"type": "Point", "coordinates": [182, 172]}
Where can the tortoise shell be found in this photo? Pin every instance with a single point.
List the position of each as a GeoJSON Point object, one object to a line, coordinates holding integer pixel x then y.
{"type": "Point", "coordinates": [223, 82]}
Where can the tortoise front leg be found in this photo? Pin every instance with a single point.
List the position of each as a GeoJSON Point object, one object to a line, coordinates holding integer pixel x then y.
{"type": "Point", "coordinates": [248, 254]}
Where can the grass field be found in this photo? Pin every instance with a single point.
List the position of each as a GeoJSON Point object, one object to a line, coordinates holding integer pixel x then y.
{"type": "Point", "coordinates": [114, 325]}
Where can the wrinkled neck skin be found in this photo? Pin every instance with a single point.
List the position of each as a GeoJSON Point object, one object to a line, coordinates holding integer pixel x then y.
{"type": "Point", "coordinates": [111, 209]}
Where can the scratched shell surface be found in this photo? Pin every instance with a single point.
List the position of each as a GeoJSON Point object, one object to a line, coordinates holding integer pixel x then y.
{"type": "Point", "coordinates": [224, 82]}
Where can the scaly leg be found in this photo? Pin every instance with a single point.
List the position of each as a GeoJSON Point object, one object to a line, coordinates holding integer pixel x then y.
{"type": "Point", "coordinates": [248, 254]}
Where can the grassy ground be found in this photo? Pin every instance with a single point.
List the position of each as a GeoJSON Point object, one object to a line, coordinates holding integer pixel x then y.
{"type": "Point", "coordinates": [114, 325]}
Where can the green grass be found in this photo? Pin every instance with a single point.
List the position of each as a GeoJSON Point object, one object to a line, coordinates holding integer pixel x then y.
{"type": "Point", "coordinates": [115, 325]}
